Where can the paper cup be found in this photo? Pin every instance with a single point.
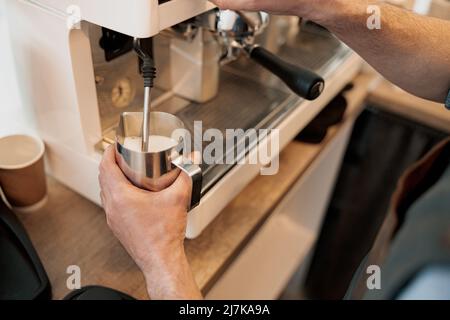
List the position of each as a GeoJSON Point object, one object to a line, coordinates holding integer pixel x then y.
{"type": "Point", "coordinates": [22, 173]}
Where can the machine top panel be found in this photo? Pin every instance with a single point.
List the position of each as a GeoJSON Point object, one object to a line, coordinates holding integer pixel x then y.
{"type": "Point", "coordinates": [136, 18]}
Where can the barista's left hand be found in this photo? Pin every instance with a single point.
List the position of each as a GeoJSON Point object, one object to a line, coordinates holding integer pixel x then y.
{"type": "Point", "coordinates": [151, 226]}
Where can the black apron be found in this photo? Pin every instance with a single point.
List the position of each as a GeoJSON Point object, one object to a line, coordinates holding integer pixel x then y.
{"type": "Point", "coordinates": [416, 232]}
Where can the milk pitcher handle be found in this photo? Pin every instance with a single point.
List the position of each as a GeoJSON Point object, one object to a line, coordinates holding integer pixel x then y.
{"type": "Point", "coordinates": [195, 173]}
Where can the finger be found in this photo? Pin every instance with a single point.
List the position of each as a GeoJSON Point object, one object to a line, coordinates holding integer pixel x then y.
{"type": "Point", "coordinates": [183, 182]}
{"type": "Point", "coordinates": [250, 5]}
{"type": "Point", "coordinates": [228, 4]}
{"type": "Point", "coordinates": [180, 191]}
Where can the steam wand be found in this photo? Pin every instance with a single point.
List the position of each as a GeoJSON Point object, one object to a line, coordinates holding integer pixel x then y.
{"type": "Point", "coordinates": [148, 73]}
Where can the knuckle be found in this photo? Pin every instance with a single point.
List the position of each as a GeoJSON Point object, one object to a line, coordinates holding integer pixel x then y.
{"type": "Point", "coordinates": [181, 197]}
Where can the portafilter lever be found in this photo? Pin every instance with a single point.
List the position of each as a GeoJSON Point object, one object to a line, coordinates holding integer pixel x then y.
{"type": "Point", "coordinates": [239, 30]}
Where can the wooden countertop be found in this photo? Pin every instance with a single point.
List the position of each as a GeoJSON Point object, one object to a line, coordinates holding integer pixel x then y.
{"type": "Point", "coordinates": [71, 230]}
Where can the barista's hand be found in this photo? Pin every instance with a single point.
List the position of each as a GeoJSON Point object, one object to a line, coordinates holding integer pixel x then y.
{"type": "Point", "coordinates": [310, 9]}
{"type": "Point", "coordinates": [151, 226]}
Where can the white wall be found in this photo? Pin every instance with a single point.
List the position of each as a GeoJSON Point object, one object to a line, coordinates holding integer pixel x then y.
{"type": "Point", "coordinates": [12, 117]}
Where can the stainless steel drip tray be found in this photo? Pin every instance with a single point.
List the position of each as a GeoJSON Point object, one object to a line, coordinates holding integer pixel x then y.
{"type": "Point", "coordinates": [241, 104]}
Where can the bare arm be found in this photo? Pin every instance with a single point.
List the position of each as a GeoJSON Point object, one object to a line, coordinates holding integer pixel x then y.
{"type": "Point", "coordinates": [410, 50]}
{"type": "Point", "coordinates": [151, 227]}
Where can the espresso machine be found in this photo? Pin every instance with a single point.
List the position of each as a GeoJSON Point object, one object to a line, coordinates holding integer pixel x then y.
{"type": "Point", "coordinates": [79, 66]}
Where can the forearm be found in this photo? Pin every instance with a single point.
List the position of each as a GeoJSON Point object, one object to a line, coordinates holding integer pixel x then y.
{"type": "Point", "coordinates": [169, 277]}
{"type": "Point", "coordinates": [410, 50]}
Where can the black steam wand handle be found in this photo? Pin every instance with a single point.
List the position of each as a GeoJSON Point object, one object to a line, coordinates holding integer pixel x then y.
{"type": "Point", "coordinates": [303, 82]}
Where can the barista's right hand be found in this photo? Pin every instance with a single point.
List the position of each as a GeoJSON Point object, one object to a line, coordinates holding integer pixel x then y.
{"type": "Point", "coordinates": [309, 9]}
{"type": "Point", "coordinates": [151, 226]}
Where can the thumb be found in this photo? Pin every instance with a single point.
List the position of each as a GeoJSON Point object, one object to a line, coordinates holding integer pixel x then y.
{"type": "Point", "coordinates": [180, 192]}
{"type": "Point", "coordinates": [182, 187]}
{"type": "Point", "coordinates": [183, 179]}
{"type": "Point", "coordinates": [182, 184]}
